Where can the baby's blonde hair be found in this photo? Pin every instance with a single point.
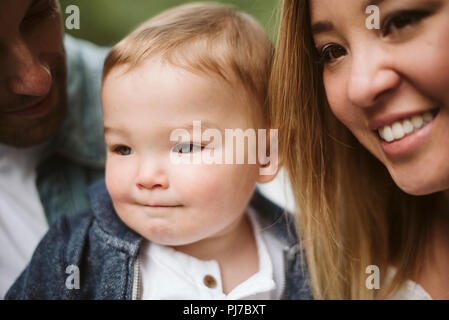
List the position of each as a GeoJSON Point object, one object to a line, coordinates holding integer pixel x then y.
{"type": "Point", "coordinates": [210, 38]}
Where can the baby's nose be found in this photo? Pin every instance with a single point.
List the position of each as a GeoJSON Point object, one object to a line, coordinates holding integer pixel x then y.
{"type": "Point", "coordinates": [150, 177]}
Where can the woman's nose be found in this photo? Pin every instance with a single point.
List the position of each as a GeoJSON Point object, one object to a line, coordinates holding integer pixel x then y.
{"type": "Point", "coordinates": [371, 77]}
{"type": "Point", "coordinates": [27, 75]}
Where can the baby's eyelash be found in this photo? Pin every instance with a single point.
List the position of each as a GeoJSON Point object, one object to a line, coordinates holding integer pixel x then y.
{"type": "Point", "coordinates": [187, 148]}
{"type": "Point", "coordinates": [121, 150]}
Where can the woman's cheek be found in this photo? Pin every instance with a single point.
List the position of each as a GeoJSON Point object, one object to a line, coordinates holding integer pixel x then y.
{"type": "Point", "coordinates": [333, 91]}
{"type": "Point", "coordinates": [339, 106]}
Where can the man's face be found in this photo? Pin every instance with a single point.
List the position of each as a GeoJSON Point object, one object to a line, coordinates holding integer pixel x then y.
{"type": "Point", "coordinates": [32, 71]}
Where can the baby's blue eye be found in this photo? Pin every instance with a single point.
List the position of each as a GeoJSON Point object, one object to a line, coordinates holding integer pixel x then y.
{"type": "Point", "coordinates": [187, 148]}
{"type": "Point", "coordinates": [123, 150]}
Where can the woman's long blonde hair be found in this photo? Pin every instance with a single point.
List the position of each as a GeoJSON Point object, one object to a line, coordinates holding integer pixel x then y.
{"type": "Point", "coordinates": [350, 213]}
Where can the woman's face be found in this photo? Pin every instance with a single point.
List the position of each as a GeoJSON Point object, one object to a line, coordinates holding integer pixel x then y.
{"type": "Point", "coordinates": [390, 86]}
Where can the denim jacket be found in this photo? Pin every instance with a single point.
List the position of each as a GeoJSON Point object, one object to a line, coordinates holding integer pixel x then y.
{"type": "Point", "coordinates": [74, 158]}
{"type": "Point", "coordinates": [105, 251]}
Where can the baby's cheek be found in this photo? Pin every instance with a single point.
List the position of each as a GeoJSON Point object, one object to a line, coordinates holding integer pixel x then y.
{"type": "Point", "coordinates": [117, 180]}
{"type": "Point", "coordinates": [235, 185]}
{"type": "Point", "coordinates": [214, 188]}
{"type": "Point", "coordinates": [119, 191]}
{"type": "Point", "coordinates": [200, 183]}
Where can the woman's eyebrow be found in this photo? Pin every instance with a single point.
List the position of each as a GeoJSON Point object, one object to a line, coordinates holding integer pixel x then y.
{"type": "Point", "coordinates": [326, 26]}
{"type": "Point", "coordinates": [322, 26]}
{"type": "Point", "coordinates": [368, 3]}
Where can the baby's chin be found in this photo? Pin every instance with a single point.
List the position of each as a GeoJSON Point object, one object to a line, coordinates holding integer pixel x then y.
{"type": "Point", "coordinates": [170, 239]}
{"type": "Point", "coordinates": [173, 242]}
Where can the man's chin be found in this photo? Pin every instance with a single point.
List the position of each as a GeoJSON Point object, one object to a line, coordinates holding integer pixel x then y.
{"type": "Point", "coordinates": [24, 133]}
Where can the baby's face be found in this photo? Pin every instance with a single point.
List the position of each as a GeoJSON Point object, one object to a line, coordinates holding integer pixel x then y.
{"type": "Point", "coordinates": [168, 203]}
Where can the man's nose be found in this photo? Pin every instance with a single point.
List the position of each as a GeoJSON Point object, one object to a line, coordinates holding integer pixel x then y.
{"type": "Point", "coordinates": [371, 77]}
{"type": "Point", "coordinates": [151, 176]}
{"type": "Point", "coordinates": [27, 75]}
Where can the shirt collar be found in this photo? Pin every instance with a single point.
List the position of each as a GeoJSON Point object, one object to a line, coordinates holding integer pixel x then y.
{"type": "Point", "coordinates": [170, 274]}
{"type": "Point", "coordinates": [262, 281]}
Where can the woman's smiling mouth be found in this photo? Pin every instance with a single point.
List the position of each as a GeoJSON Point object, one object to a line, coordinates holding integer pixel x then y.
{"type": "Point", "coordinates": [406, 126]}
{"type": "Point", "coordinates": [404, 135]}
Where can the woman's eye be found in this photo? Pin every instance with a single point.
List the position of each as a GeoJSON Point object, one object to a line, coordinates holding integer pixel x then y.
{"type": "Point", "coordinates": [331, 52]}
{"type": "Point", "coordinates": [400, 20]}
{"type": "Point", "coordinates": [123, 150]}
{"type": "Point", "coordinates": [187, 148]}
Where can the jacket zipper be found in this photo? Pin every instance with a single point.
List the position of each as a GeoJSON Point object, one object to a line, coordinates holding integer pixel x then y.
{"type": "Point", "coordinates": [136, 279]}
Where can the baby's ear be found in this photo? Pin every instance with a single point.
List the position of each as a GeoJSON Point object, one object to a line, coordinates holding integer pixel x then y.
{"type": "Point", "coordinates": [269, 168]}
{"type": "Point", "coordinates": [269, 171]}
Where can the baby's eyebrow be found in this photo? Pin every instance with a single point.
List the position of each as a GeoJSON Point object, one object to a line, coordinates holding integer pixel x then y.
{"type": "Point", "coordinates": [204, 125]}
{"type": "Point", "coordinates": [107, 129]}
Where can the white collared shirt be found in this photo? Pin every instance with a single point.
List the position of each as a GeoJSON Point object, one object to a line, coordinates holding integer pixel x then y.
{"type": "Point", "coordinates": [409, 290]}
{"type": "Point", "coordinates": [168, 274]}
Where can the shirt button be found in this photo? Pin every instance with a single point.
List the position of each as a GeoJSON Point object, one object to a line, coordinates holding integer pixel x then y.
{"type": "Point", "coordinates": [210, 281]}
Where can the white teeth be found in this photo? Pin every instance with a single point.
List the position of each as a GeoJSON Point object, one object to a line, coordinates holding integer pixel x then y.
{"type": "Point", "coordinates": [400, 129]}
{"type": "Point", "coordinates": [408, 126]}
{"type": "Point", "coordinates": [388, 134]}
{"type": "Point", "coordinates": [381, 133]}
{"type": "Point", "coordinates": [398, 132]}
{"type": "Point", "coordinates": [417, 121]}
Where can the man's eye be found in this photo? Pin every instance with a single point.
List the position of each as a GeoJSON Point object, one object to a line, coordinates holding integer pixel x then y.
{"type": "Point", "coordinates": [331, 52]}
{"type": "Point", "coordinates": [187, 148]}
{"type": "Point", "coordinates": [123, 150]}
{"type": "Point", "coordinates": [400, 20]}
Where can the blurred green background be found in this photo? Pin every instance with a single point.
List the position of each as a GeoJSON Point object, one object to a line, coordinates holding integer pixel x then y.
{"type": "Point", "coordinates": [104, 22]}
